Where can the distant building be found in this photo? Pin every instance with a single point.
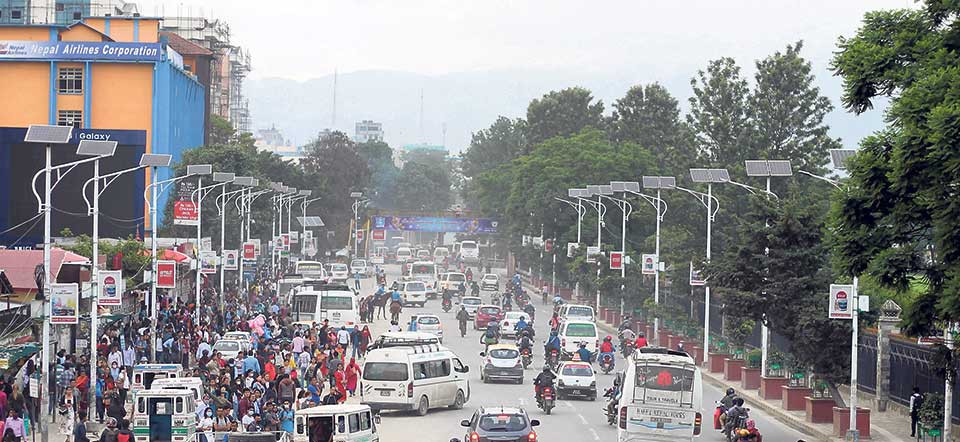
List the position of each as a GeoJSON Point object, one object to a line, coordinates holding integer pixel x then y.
{"type": "Point", "coordinates": [368, 130]}
{"type": "Point", "coordinates": [61, 12]}
{"type": "Point", "coordinates": [271, 140]}
{"type": "Point", "coordinates": [271, 137]}
{"type": "Point", "coordinates": [422, 153]}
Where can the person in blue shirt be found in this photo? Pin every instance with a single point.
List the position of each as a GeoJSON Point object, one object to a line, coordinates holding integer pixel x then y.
{"type": "Point", "coordinates": [380, 290]}
{"type": "Point", "coordinates": [585, 355]}
{"type": "Point", "coordinates": [251, 363]}
{"type": "Point", "coordinates": [521, 325]}
{"type": "Point", "coordinates": [315, 389]}
{"type": "Point", "coordinates": [395, 296]}
{"type": "Point", "coordinates": [553, 343]}
{"type": "Point", "coordinates": [286, 418]}
{"type": "Point", "coordinates": [413, 324]}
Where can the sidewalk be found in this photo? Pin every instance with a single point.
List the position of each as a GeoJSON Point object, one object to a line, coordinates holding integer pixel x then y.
{"type": "Point", "coordinates": [890, 426]}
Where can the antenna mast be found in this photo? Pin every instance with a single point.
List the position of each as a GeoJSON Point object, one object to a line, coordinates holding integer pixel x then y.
{"type": "Point", "coordinates": [333, 119]}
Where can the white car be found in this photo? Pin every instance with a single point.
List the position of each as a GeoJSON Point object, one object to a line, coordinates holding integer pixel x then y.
{"type": "Point", "coordinates": [575, 378]}
{"type": "Point", "coordinates": [339, 272]}
{"type": "Point", "coordinates": [423, 254]}
{"type": "Point", "coordinates": [509, 321]}
{"type": "Point", "coordinates": [471, 304]}
{"type": "Point", "coordinates": [231, 348]}
{"type": "Point", "coordinates": [430, 324]}
{"type": "Point", "coordinates": [360, 266]}
{"type": "Point", "coordinates": [490, 281]}
{"type": "Point", "coordinates": [414, 292]}
{"type": "Point", "coordinates": [501, 362]}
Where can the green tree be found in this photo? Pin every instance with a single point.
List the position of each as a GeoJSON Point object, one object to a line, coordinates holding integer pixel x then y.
{"type": "Point", "coordinates": [489, 148]}
{"type": "Point", "coordinates": [562, 113]}
{"type": "Point", "coordinates": [650, 117]}
{"type": "Point", "coordinates": [718, 113]}
{"type": "Point", "coordinates": [383, 173]}
{"type": "Point", "coordinates": [786, 112]}
{"type": "Point", "coordinates": [423, 188]}
{"type": "Point", "coordinates": [898, 220]}
{"type": "Point", "coordinates": [334, 166]}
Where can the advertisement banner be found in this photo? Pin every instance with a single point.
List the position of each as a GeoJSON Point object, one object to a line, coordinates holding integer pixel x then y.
{"type": "Point", "coordinates": [166, 274]}
{"type": "Point", "coordinates": [649, 264]}
{"type": "Point", "coordinates": [379, 235]}
{"type": "Point", "coordinates": [359, 235]}
{"type": "Point", "coordinates": [695, 278]}
{"type": "Point", "coordinates": [256, 246]}
{"type": "Point", "coordinates": [592, 252]}
{"type": "Point", "coordinates": [435, 224]}
{"type": "Point", "coordinates": [841, 301]}
{"type": "Point", "coordinates": [208, 262]}
{"type": "Point", "coordinates": [572, 248]}
{"type": "Point", "coordinates": [231, 260]}
{"type": "Point", "coordinates": [295, 237]}
{"type": "Point", "coordinates": [79, 50]}
{"type": "Point", "coordinates": [111, 287]}
{"type": "Point", "coordinates": [64, 301]}
{"type": "Point", "coordinates": [310, 247]}
{"type": "Point", "coordinates": [249, 250]}
{"type": "Point", "coordinates": [616, 260]}
{"type": "Point", "coordinates": [184, 210]}
{"type": "Point", "coordinates": [285, 242]}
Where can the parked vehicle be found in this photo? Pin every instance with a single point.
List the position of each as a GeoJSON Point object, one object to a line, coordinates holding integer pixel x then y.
{"type": "Point", "coordinates": [344, 422]}
{"type": "Point", "coordinates": [499, 424]}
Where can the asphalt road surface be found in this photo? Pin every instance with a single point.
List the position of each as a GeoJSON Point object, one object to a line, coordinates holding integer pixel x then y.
{"type": "Point", "coordinates": [576, 420]}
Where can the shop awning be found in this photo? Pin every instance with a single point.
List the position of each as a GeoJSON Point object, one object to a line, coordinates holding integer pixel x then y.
{"type": "Point", "coordinates": [14, 353]}
{"type": "Point", "coordinates": [169, 255]}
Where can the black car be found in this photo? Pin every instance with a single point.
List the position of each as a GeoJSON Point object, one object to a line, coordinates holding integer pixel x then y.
{"type": "Point", "coordinates": [507, 424]}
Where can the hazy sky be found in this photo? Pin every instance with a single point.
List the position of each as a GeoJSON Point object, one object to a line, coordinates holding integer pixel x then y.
{"type": "Point", "coordinates": [302, 39]}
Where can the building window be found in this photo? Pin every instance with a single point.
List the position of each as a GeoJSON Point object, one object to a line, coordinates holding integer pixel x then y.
{"type": "Point", "coordinates": [59, 7]}
{"type": "Point", "coordinates": [77, 15]}
{"type": "Point", "coordinates": [70, 118]}
{"type": "Point", "coordinates": [16, 14]}
{"type": "Point", "coordinates": [71, 81]}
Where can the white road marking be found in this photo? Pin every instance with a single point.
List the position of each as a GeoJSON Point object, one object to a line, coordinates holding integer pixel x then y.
{"type": "Point", "coordinates": [582, 419]}
{"type": "Point", "coordinates": [595, 435]}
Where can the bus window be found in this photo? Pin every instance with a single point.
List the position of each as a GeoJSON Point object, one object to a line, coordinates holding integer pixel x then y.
{"type": "Point", "coordinates": [179, 403]}
{"type": "Point", "coordinates": [365, 421]}
{"type": "Point", "coordinates": [354, 423]}
{"type": "Point", "coordinates": [341, 425]}
{"type": "Point", "coordinates": [141, 405]}
{"type": "Point", "coordinates": [320, 428]}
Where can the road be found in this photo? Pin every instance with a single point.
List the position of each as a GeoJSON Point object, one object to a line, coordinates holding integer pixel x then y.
{"type": "Point", "coordinates": [579, 420]}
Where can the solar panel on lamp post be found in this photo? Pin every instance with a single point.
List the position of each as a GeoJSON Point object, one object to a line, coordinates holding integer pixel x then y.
{"type": "Point", "coordinates": [767, 169]}
{"type": "Point", "coordinates": [221, 202]}
{"type": "Point", "coordinates": [658, 183]}
{"type": "Point", "coordinates": [708, 177]}
{"type": "Point", "coordinates": [220, 179]}
{"type": "Point", "coordinates": [48, 136]}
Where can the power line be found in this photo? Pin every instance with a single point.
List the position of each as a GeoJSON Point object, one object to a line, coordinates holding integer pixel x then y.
{"type": "Point", "coordinates": [18, 225]}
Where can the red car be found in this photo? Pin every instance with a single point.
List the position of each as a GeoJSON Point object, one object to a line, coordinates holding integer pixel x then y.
{"type": "Point", "coordinates": [485, 315]}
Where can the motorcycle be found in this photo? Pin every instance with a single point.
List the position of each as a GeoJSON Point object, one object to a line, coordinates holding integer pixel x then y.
{"type": "Point", "coordinates": [553, 358]}
{"type": "Point", "coordinates": [607, 363]}
{"type": "Point", "coordinates": [447, 305]}
{"type": "Point", "coordinates": [611, 409]}
{"type": "Point", "coordinates": [733, 427]}
{"type": "Point", "coordinates": [525, 357]}
{"type": "Point", "coordinates": [546, 399]}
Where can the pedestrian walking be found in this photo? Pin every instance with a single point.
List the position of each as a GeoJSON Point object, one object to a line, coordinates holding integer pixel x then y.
{"type": "Point", "coordinates": [916, 401]}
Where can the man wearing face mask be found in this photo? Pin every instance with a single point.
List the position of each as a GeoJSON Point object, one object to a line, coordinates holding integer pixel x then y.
{"type": "Point", "coordinates": [286, 417]}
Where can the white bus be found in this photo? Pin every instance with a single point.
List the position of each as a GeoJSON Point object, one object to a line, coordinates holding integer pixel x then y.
{"type": "Point", "coordinates": [333, 302]}
{"type": "Point", "coordinates": [164, 415]}
{"type": "Point", "coordinates": [662, 395]}
{"type": "Point", "coordinates": [310, 269]}
{"type": "Point", "coordinates": [469, 251]}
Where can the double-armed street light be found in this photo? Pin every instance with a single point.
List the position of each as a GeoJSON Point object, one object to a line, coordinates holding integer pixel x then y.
{"type": "Point", "coordinates": [220, 179]}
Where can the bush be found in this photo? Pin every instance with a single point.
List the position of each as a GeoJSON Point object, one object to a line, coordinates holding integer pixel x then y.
{"type": "Point", "coordinates": [754, 358]}
{"type": "Point", "coordinates": [931, 411]}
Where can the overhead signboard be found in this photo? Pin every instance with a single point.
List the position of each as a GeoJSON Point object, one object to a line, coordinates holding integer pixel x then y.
{"type": "Point", "coordinates": [64, 301]}
{"type": "Point", "coordinates": [649, 264]}
{"type": "Point", "coordinates": [379, 235]}
{"type": "Point", "coordinates": [841, 301]}
{"type": "Point", "coordinates": [79, 50]}
{"type": "Point", "coordinates": [111, 286]}
{"type": "Point", "coordinates": [435, 224]}
{"type": "Point", "coordinates": [166, 274]}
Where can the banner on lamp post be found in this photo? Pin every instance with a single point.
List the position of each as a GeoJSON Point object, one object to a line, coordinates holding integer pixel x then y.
{"type": "Point", "coordinates": [695, 277]}
{"type": "Point", "coordinates": [64, 303]}
{"type": "Point", "coordinates": [649, 264]}
{"type": "Point", "coordinates": [294, 237]}
{"type": "Point", "coordinates": [841, 301]}
{"type": "Point", "coordinates": [379, 235]}
{"type": "Point", "coordinates": [166, 274]}
{"type": "Point", "coordinates": [616, 260]}
{"type": "Point", "coordinates": [111, 287]}
{"type": "Point", "coordinates": [249, 250]}
{"type": "Point", "coordinates": [285, 242]}
{"type": "Point", "coordinates": [256, 246]}
{"type": "Point", "coordinates": [208, 262]}
{"type": "Point", "coordinates": [231, 260]}
{"type": "Point", "coordinates": [572, 248]}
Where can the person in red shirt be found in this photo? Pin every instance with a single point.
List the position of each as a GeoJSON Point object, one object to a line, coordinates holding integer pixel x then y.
{"type": "Point", "coordinates": [340, 378]}
{"type": "Point", "coordinates": [641, 341]}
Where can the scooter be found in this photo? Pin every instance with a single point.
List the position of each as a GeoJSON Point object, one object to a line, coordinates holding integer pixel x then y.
{"type": "Point", "coordinates": [546, 399]}
{"type": "Point", "coordinates": [553, 358]}
{"type": "Point", "coordinates": [606, 363]}
{"type": "Point", "coordinates": [525, 357]}
{"type": "Point", "coordinates": [447, 305]}
{"type": "Point", "coordinates": [626, 348]}
{"type": "Point", "coordinates": [732, 428]}
{"type": "Point", "coordinates": [611, 409]}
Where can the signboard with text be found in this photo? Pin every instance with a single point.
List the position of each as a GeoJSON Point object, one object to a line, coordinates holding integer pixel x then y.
{"type": "Point", "coordinates": [695, 278]}
{"type": "Point", "coordinates": [435, 224]}
{"type": "Point", "coordinates": [208, 262]}
{"type": "Point", "coordinates": [184, 210]}
{"type": "Point", "coordinates": [64, 303]}
{"type": "Point", "coordinates": [166, 274]}
{"type": "Point", "coordinates": [616, 260]}
{"type": "Point", "coordinates": [249, 250]}
{"type": "Point", "coordinates": [231, 260]}
{"type": "Point", "coordinates": [841, 301]}
{"type": "Point", "coordinates": [379, 235]}
{"type": "Point", "coordinates": [80, 50]}
{"type": "Point", "coordinates": [648, 264]}
{"type": "Point", "coordinates": [111, 287]}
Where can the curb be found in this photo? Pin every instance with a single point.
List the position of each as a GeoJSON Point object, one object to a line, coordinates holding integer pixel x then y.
{"type": "Point", "coordinates": [774, 412]}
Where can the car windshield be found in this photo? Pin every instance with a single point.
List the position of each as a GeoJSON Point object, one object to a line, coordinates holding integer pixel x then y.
{"type": "Point", "coordinates": [504, 353]}
{"type": "Point", "coordinates": [227, 346]}
{"type": "Point", "coordinates": [514, 316]}
{"type": "Point", "coordinates": [415, 286]}
{"type": "Point", "coordinates": [489, 277]}
{"type": "Point", "coordinates": [581, 330]}
{"type": "Point", "coordinates": [577, 370]}
{"type": "Point", "coordinates": [472, 301]}
{"type": "Point", "coordinates": [358, 263]}
{"type": "Point", "coordinates": [584, 312]}
{"type": "Point", "coordinates": [503, 422]}
{"type": "Point", "coordinates": [468, 245]}
{"type": "Point", "coordinates": [665, 378]}
{"type": "Point", "coordinates": [490, 310]}
{"type": "Point", "coordinates": [338, 267]}
{"type": "Point", "coordinates": [422, 268]}
{"type": "Point", "coordinates": [336, 303]}
{"type": "Point", "coordinates": [428, 320]}
{"type": "Point", "coordinates": [385, 371]}
{"type": "Point", "coordinates": [456, 277]}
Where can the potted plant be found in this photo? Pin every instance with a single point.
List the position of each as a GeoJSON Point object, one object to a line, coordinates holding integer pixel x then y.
{"type": "Point", "coordinates": [750, 373]}
{"type": "Point", "coordinates": [738, 329]}
{"type": "Point", "coordinates": [719, 352]}
{"type": "Point", "coordinates": [793, 394]}
{"type": "Point", "coordinates": [931, 417]}
{"type": "Point", "coordinates": [819, 404]}
{"type": "Point", "coordinates": [772, 382]}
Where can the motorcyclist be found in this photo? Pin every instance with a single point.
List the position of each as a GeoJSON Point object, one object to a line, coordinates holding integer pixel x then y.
{"type": "Point", "coordinates": [447, 299]}
{"type": "Point", "coordinates": [462, 318]}
{"type": "Point", "coordinates": [735, 412]}
{"type": "Point", "coordinates": [553, 343]}
{"type": "Point", "coordinates": [641, 341]}
{"type": "Point", "coordinates": [469, 274]}
{"type": "Point", "coordinates": [525, 341]}
{"type": "Point", "coordinates": [475, 288]}
{"type": "Point", "coordinates": [626, 335]}
{"type": "Point", "coordinates": [606, 348]}
{"type": "Point", "coordinates": [491, 336]}
{"type": "Point", "coordinates": [555, 322]}
{"type": "Point", "coordinates": [462, 289]}
{"type": "Point", "coordinates": [530, 310]}
{"type": "Point", "coordinates": [544, 379]}
{"type": "Point", "coordinates": [727, 400]}
{"type": "Point", "coordinates": [749, 433]}
{"type": "Point", "coordinates": [625, 324]}
{"type": "Point", "coordinates": [614, 394]}
{"type": "Point", "coordinates": [521, 325]}
{"type": "Point", "coordinates": [585, 355]}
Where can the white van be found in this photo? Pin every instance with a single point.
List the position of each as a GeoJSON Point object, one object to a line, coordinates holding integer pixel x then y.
{"type": "Point", "coordinates": [145, 374]}
{"type": "Point", "coordinates": [192, 384]}
{"type": "Point", "coordinates": [414, 293]}
{"type": "Point", "coordinates": [469, 251]}
{"type": "Point", "coordinates": [576, 312]}
{"type": "Point", "coordinates": [574, 332]}
{"type": "Point", "coordinates": [426, 272]}
{"type": "Point", "coordinates": [403, 254]}
{"type": "Point", "coordinates": [414, 377]}
{"type": "Point", "coordinates": [333, 302]}
{"type": "Point", "coordinates": [340, 423]}
{"type": "Point", "coordinates": [662, 397]}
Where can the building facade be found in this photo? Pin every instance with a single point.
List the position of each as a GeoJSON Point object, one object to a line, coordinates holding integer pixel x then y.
{"type": "Point", "coordinates": [112, 78]}
{"type": "Point", "coordinates": [61, 12]}
{"type": "Point", "coordinates": [368, 130]}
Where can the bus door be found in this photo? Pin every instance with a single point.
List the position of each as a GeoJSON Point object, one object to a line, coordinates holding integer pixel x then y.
{"type": "Point", "coordinates": [160, 418]}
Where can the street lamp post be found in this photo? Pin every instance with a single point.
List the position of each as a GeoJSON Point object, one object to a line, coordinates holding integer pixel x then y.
{"type": "Point", "coordinates": [356, 221]}
{"type": "Point", "coordinates": [221, 179]}
{"type": "Point", "coordinates": [578, 206]}
{"type": "Point", "coordinates": [767, 169]}
{"type": "Point", "coordinates": [599, 192]}
{"type": "Point", "coordinates": [243, 210]}
{"type": "Point", "coordinates": [100, 149]}
{"type": "Point", "coordinates": [157, 188]}
{"type": "Point", "coordinates": [303, 220]}
{"type": "Point", "coordinates": [626, 209]}
{"type": "Point", "coordinates": [48, 136]}
{"type": "Point", "coordinates": [278, 188]}
{"type": "Point", "coordinates": [840, 157]}
{"type": "Point", "coordinates": [221, 202]}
